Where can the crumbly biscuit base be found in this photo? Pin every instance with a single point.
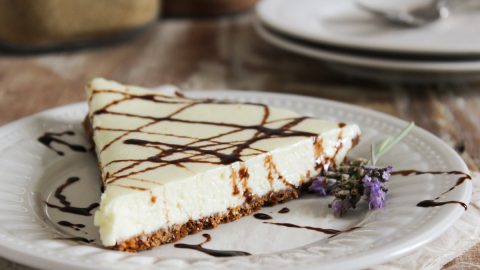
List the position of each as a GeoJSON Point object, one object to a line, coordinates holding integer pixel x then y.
{"type": "Point", "coordinates": [176, 232]}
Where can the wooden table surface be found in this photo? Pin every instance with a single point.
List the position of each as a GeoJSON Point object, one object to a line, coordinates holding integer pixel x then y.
{"type": "Point", "coordinates": [226, 53]}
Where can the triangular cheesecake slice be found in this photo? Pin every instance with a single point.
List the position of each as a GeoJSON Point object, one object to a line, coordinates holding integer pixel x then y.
{"type": "Point", "coordinates": [172, 165]}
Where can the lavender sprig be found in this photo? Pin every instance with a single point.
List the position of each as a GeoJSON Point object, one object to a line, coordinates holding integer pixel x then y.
{"type": "Point", "coordinates": [388, 144]}
{"type": "Point", "coordinates": [357, 179]}
{"type": "Point", "coordinates": [374, 181]}
{"type": "Point", "coordinates": [320, 186]}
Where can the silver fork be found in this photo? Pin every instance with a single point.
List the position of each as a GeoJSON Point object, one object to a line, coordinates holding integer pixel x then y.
{"type": "Point", "coordinates": [416, 17]}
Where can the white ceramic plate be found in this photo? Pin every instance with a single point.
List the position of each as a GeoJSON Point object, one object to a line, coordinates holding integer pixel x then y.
{"type": "Point", "coordinates": [342, 23]}
{"type": "Point", "coordinates": [31, 173]}
{"type": "Point", "coordinates": [380, 63]}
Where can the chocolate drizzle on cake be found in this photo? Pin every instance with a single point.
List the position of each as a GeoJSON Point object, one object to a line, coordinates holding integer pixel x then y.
{"type": "Point", "coordinates": [240, 176]}
{"type": "Point", "coordinates": [211, 150]}
{"type": "Point", "coordinates": [327, 162]}
{"type": "Point", "coordinates": [338, 147]}
{"type": "Point", "coordinates": [243, 173]}
{"type": "Point", "coordinates": [333, 232]}
{"type": "Point", "coordinates": [318, 148]}
{"type": "Point", "coordinates": [49, 138]}
{"type": "Point", "coordinates": [153, 198]}
{"type": "Point", "coordinates": [66, 204]}
{"type": "Point", "coordinates": [433, 203]}
{"type": "Point", "coordinates": [212, 252]}
{"type": "Point", "coordinates": [273, 172]}
{"type": "Point", "coordinates": [234, 180]}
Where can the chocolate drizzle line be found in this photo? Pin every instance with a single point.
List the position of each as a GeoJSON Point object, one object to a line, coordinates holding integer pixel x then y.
{"type": "Point", "coordinates": [240, 176]}
{"type": "Point", "coordinates": [318, 148]}
{"type": "Point", "coordinates": [433, 203]}
{"type": "Point", "coordinates": [284, 210]}
{"type": "Point", "coordinates": [262, 216]}
{"type": "Point", "coordinates": [77, 239]}
{"type": "Point", "coordinates": [273, 171]}
{"type": "Point", "coordinates": [338, 147]}
{"type": "Point", "coordinates": [200, 150]}
{"type": "Point", "coordinates": [332, 232]}
{"type": "Point", "coordinates": [212, 252]}
{"type": "Point", "coordinates": [49, 138]}
{"type": "Point", "coordinates": [68, 224]}
{"type": "Point", "coordinates": [66, 205]}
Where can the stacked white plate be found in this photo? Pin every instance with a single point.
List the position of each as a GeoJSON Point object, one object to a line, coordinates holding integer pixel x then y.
{"type": "Point", "coordinates": [340, 32]}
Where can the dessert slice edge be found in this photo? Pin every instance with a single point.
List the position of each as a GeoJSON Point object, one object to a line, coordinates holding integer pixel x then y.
{"type": "Point", "coordinates": [163, 205]}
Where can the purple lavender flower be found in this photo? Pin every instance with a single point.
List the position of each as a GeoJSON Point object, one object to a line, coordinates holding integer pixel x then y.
{"type": "Point", "coordinates": [386, 173]}
{"type": "Point", "coordinates": [340, 207]}
{"type": "Point", "coordinates": [352, 181]}
{"type": "Point", "coordinates": [375, 194]}
{"type": "Point", "coordinates": [366, 179]}
{"type": "Point", "coordinates": [374, 189]}
{"type": "Point", "coordinates": [382, 173]}
{"type": "Point", "coordinates": [319, 185]}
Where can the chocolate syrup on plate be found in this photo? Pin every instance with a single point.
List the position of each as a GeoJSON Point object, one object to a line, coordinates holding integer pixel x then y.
{"type": "Point", "coordinates": [284, 210]}
{"type": "Point", "coordinates": [77, 239]}
{"type": "Point", "coordinates": [68, 224]}
{"type": "Point", "coordinates": [66, 205]}
{"type": "Point", "coordinates": [49, 138]}
{"type": "Point", "coordinates": [262, 216]}
{"type": "Point", "coordinates": [212, 252]}
{"type": "Point", "coordinates": [433, 203]}
{"type": "Point", "coordinates": [333, 232]}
